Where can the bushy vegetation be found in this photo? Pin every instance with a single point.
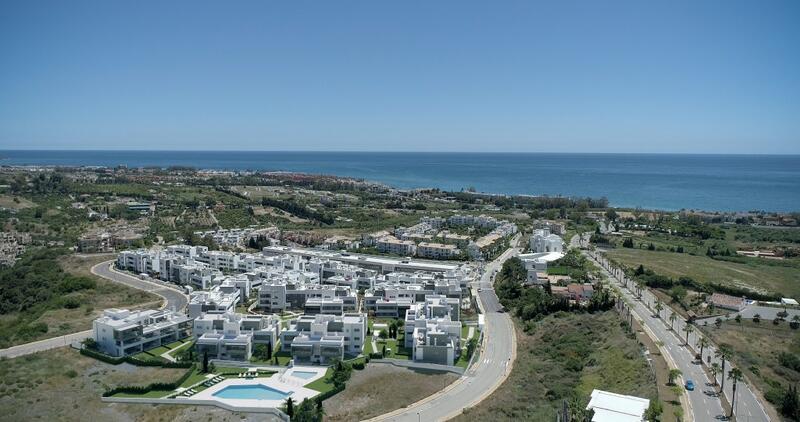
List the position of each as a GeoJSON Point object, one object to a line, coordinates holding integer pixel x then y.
{"type": "Point", "coordinates": [35, 284]}
{"type": "Point", "coordinates": [298, 210]}
{"type": "Point", "coordinates": [533, 303]}
{"type": "Point", "coordinates": [560, 360]}
{"type": "Point", "coordinates": [158, 386]}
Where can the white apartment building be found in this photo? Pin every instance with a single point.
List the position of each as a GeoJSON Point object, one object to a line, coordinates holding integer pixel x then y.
{"type": "Point", "coordinates": [221, 260]}
{"type": "Point", "coordinates": [138, 261]}
{"type": "Point", "coordinates": [437, 250]}
{"type": "Point", "coordinates": [318, 339]}
{"type": "Point", "coordinates": [214, 301]}
{"type": "Point", "coordinates": [430, 332]}
{"type": "Point", "coordinates": [120, 332]}
{"type": "Point", "coordinates": [278, 296]}
{"type": "Point", "coordinates": [391, 244]}
{"type": "Point", "coordinates": [233, 336]}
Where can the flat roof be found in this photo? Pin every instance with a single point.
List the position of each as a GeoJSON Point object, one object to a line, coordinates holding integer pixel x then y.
{"type": "Point", "coordinates": [612, 407]}
{"type": "Point", "coordinates": [362, 259]}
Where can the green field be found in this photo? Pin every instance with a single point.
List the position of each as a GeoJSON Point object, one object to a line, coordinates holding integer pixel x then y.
{"type": "Point", "coordinates": [769, 277]}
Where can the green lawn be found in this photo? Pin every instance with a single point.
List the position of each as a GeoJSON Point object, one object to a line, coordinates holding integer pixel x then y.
{"type": "Point", "coordinates": [324, 384]}
{"type": "Point", "coordinates": [158, 351]}
{"type": "Point", "coordinates": [463, 361]}
{"type": "Point", "coordinates": [464, 330]}
{"type": "Point", "coordinates": [197, 376]}
{"type": "Point", "coordinates": [397, 352]}
{"type": "Point", "coordinates": [174, 344]}
{"type": "Point", "coordinates": [761, 276]}
{"type": "Point", "coordinates": [368, 346]}
{"type": "Point", "coordinates": [148, 356]}
{"type": "Point", "coordinates": [180, 347]}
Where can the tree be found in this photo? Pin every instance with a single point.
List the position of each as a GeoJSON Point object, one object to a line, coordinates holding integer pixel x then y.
{"type": "Point", "coordinates": [724, 353]}
{"type": "Point", "coordinates": [383, 351]}
{"type": "Point", "coordinates": [673, 374]}
{"type": "Point", "coordinates": [791, 403]}
{"type": "Point", "coordinates": [269, 350]}
{"type": "Point", "coordinates": [383, 335]}
{"type": "Point", "coordinates": [718, 322]}
{"type": "Point", "coordinates": [658, 307]}
{"type": "Point", "coordinates": [687, 328]}
{"type": "Point", "coordinates": [205, 362]}
{"type": "Point", "coordinates": [702, 343]}
{"type": "Point", "coordinates": [672, 318]}
{"type": "Point", "coordinates": [757, 318]}
{"type": "Point", "coordinates": [736, 376]}
{"type": "Point", "coordinates": [392, 329]}
{"type": "Point", "coordinates": [795, 323]}
{"type": "Point", "coordinates": [715, 370]}
{"type": "Point", "coordinates": [289, 407]}
{"type": "Point", "coordinates": [738, 320]}
{"type": "Point", "coordinates": [654, 411]}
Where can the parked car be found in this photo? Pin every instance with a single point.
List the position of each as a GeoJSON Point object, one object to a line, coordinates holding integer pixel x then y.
{"type": "Point", "coordinates": [689, 385]}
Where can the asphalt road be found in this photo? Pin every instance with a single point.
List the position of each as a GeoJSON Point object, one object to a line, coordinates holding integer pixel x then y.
{"type": "Point", "coordinates": [174, 299]}
{"type": "Point", "coordinates": [705, 405]}
{"type": "Point", "coordinates": [486, 374]}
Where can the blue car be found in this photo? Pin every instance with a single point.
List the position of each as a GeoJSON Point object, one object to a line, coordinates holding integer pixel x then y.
{"type": "Point", "coordinates": [690, 385]}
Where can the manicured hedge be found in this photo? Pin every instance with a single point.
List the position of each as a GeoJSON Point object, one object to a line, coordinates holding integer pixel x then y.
{"type": "Point", "coordinates": [156, 386]}
{"type": "Point", "coordinates": [132, 360]}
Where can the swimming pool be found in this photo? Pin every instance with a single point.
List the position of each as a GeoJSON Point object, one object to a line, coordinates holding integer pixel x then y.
{"type": "Point", "coordinates": [304, 374]}
{"type": "Point", "coordinates": [251, 392]}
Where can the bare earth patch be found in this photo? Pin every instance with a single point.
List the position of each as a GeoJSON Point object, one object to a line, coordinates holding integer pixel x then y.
{"type": "Point", "coordinates": [380, 389]}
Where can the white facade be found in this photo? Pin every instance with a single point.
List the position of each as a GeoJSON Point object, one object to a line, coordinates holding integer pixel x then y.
{"type": "Point", "coordinates": [120, 332]}
{"type": "Point", "coordinates": [543, 241]}
{"type": "Point", "coordinates": [430, 332]}
{"type": "Point", "coordinates": [233, 336]}
{"type": "Point", "coordinates": [318, 339]}
{"type": "Point", "coordinates": [215, 301]}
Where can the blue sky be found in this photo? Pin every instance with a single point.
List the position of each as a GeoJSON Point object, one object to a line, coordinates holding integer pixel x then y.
{"type": "Point", "coordinates": [677, 76]}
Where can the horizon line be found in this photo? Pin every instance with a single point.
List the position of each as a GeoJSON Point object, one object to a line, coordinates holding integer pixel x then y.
{"type": "Point", "coordinates": [396, 152]}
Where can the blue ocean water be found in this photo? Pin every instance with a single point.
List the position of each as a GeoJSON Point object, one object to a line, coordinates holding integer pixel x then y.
{"type": "Point", "coordinates": [651, 181]}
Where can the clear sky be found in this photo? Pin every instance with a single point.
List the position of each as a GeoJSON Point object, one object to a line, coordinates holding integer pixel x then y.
{"type": "Point", "coordinates": [591, 76]}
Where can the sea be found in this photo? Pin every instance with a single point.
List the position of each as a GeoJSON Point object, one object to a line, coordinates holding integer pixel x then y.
{"type": "Point", "coordinates": [649, 181]}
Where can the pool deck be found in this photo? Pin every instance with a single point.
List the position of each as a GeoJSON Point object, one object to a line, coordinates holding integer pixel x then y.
{"type": "Point", "coordinates": [282, 382]}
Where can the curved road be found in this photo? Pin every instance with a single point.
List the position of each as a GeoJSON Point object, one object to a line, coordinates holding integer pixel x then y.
{"type": "Point", "coordinates": [491, 368]}
{"type": "Point", "coordinates": [173, 299]}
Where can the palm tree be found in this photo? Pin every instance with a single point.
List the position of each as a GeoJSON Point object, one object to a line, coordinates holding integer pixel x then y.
{"type": "Point", "coordinates": [736, 376]}
{"type": "Point", "coordinates": [702, 343]}
{"type": "Point", "coordinates": [715, 370]}
{"type": "Point", "coordinates": [724, 352]}
{"type": "Point", "coordinates": [687, 328]}
{"type": "Point", "coordinates": [672, 318]}
{"type": "Point", "coordinates": [659, 307]}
